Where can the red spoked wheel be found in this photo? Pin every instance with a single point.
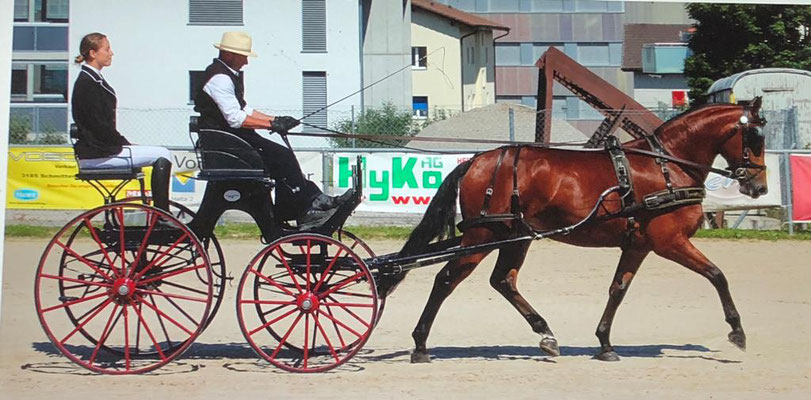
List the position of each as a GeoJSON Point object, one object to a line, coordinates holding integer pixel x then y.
{"type": "Point", "coordinates": [117, 289]}
{"type": "Point", "coordinates": [307, 303]}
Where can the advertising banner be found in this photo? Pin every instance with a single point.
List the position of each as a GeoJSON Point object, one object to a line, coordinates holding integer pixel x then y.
{"type": "Point", "coordinates": [406, 182]}
{"type": "Point", "coordinates": [801, 187]}
{"type": "Point", "coordinates": [45, 178]}
{"type": "Point", "coordinates": [395, 182]}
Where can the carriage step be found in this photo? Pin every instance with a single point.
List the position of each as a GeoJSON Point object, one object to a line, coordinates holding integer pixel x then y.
{"type": "Point", "coordinates": [65, 299]}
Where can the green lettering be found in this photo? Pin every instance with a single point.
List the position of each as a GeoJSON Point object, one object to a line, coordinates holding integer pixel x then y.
{"type": "Point", "coordinates": [403, 174]}
{"type": "Point", "coordinates": [344, 172]}
{"type": "Point", "coordinates": [382, 184]}
{"type": "Point", "coordinates": [431, 179]}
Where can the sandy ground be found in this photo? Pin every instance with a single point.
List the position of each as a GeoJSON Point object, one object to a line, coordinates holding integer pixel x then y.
{"type": "Point", "coordinates": [670, 333]}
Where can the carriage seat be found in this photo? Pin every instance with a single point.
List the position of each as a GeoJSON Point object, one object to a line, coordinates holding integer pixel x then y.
{"type": "Point", "coordinates": [102, 174]}
{"type": "Point", "coordinates": [224, 156]}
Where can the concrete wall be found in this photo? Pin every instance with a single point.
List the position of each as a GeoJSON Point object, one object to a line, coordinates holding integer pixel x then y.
{"type": "Point", "coordinates": [386, 49]}
{"type": "Point", "coordinates": [479, 77]}
{"type": "Point", "coordinates": [155, 49]}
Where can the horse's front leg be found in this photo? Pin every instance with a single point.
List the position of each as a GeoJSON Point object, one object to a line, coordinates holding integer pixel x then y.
{"type": "Point", "coordinates": [446, 280]}
{"type": "Point", "coordinates": [628, 265]}
{"type": "Point", "coordinates": [505, 278]}
{"type": "Point", "coordinates": [683, 252]}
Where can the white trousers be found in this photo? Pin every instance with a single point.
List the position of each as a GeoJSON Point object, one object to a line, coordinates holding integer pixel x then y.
{"type": "Point", "coordinates": [135, 156]}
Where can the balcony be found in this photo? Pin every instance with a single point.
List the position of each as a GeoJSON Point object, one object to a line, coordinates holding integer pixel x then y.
{"type": "Point", "coordinates": [664, 58]}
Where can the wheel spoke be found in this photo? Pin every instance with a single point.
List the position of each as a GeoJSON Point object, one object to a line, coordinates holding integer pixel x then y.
{"type": "Point", "coordinates": [170, 274]}
{"type": "Point", "coordinates": [86, 261]}
{"type": "Point", "coordinates": [160, 257]}
{"type": "Point", "coordinates": [333, 319]}
{"type": "Point", "coordinates": [327, 270]}
{"type": "Point", "coordinates": [103, 249]}
{"type": "Point", "coordinates": [104, 335]}
{"type": "Point", "coordinates": [142, 322]}
{"type": "Point", "coordinates": [341, 284]}
{"type": "Point", "coordinates": [153, 217]}
{"type": "Point", "coordinates": [286, 335]}
{"type": "Point", "coordinates": [269, 323]}
{"type": "Point", "coordinates": [272, 282]}
{"type": "Point", "coordinates": [82, 324]}
{"type": "Point", "coordinates": [326, 338]}
{"type": "Point", "coordinates": [72, 302]}
{"type": "Point", "coordinates": [170, 319]}
{"type": "Point", "coordinates": [289, 270]}
{"type": "Point", "coordinates": [86, 283]}
{"type": "Point", "coordinates": [172, 295]}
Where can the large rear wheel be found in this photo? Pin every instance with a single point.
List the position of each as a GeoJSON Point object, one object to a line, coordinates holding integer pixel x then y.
{"type": "Point", "coordinates": [117, 289]}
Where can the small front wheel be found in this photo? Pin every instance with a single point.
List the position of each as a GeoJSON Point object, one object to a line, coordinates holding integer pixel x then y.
{"type": "Point", "coordinates": [307, 303]}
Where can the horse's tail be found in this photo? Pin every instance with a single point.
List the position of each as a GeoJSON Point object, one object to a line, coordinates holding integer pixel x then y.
{"type": "Point", "coordinates": [441, 214]}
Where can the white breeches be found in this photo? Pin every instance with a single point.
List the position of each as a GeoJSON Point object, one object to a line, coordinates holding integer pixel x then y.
{"type": "Point", "coordinates": [135, 156]}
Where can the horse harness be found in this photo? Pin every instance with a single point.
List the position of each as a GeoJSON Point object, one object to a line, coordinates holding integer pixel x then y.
{"type": "Point", "coordinates": [668, 198]}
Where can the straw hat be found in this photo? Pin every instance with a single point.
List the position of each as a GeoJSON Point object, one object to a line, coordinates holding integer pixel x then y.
{"type": "Point", "coordinates": [236, 42]}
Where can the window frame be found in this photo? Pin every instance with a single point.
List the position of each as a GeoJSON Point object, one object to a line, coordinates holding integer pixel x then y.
{"type": "Point", "coordinates": [419, 60]}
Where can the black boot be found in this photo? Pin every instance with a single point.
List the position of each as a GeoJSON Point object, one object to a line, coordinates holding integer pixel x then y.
{"type": "Point", "coordinates": [161, 173]}
{"type": "Point", "coordinates": [324, 202]}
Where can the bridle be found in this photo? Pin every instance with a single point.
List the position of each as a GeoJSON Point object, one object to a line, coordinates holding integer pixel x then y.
{"type": "Point", "coordinates": [751, 143]}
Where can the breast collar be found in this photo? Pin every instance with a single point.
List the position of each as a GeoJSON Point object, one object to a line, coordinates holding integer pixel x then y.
{"type": "Point", "coordinates": [106, 86]}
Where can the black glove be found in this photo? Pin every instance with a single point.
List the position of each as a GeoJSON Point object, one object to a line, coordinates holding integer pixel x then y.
{"type": "Point", "coordinates": [283, 124]}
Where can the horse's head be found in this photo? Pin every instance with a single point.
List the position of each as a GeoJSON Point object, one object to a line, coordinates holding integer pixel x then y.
{"type": "Point", "coordinates": [743, 147]}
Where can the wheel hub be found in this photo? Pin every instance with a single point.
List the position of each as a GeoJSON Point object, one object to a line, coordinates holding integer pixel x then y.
{"type": "Point", "coordinates": [307, 302]}
{"type": "Point", "coordinates": [123, 290]}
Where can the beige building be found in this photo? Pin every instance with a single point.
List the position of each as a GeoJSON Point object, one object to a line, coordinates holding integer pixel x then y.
{"type": "Point", "coordinates": [453, 59]}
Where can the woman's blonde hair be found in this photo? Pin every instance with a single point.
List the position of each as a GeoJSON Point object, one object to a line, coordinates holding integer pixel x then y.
{"type": "Point", "coordinates": [91, 41]}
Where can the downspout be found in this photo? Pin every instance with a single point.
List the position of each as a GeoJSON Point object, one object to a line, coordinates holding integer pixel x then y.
{"type": "Point", "coordinates": [495, 69]}
{"type": "Point", "coordinates": [462, 65]}
{"type": "Point", "coordinates": [361, 33]}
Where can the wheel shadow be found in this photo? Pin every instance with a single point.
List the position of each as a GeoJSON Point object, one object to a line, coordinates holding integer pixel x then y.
{"type": "Point", "coordinates": [532, 353]}
{"type": "Point", "coordinates": [238, 357]}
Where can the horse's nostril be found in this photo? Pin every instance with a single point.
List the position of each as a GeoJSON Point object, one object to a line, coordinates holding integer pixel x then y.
{"type": "Point", "coordinates": [762, 190]}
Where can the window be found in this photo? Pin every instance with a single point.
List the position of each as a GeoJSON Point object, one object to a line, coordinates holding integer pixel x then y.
{"type": "Point", "coordinates": [19, 81]}
{"type": "Point", "coordinates": [195, 82]}
{"type": "Point", "coordinates": [508, 54]}
{"type": "Point", "coordinates": [40, 82]}
{"type": "Point", "coordinates": [418, 57]}
{"type": "Point", "coordinates": [43, 10]}
{"type": "Point", "coordinates": [420, 106]}
{"type": "Point", "coordinates": [215, 12]}
{"type": "Point", "coordinates": [314, 85]}
{"type": "Point", "coordinates": [592, 54]}
{"type": "Point", "coordinates": [43, 38]}
{"type": "Point", "coordinates": [313, 26]}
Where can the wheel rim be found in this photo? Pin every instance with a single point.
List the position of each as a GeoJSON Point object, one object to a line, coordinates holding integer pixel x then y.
{"type": "Point", "coordinates": [116, 289]}
{"type": "Point", "coordinates": [307, 303]}
{"type": "Point", "coordinates": [360, 247]}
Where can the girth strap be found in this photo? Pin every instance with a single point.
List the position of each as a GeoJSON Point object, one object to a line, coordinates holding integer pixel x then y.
{"type": "Point", "coordinates": [622, 169]}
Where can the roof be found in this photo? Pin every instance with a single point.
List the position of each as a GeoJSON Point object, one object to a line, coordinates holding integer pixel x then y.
{"type": "Point", "coordinates": [449, 12]}
{"type": "Point", "coordinates": [730, 81]}
{"type": "Point", "coordinates": [638, 35]}
{"type": "Point", "coordinates": [492, 122]}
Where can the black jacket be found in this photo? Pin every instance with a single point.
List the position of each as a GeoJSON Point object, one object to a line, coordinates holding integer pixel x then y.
{"type": "Point", "coordinates": [210, 115]}
{"type": "Point", "coordinates": [93, 105]}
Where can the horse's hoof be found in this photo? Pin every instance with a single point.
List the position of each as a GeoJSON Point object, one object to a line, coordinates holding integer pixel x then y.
{"type": "Point", "coordinates": [738, 338]}
{"type": "Point", "coordinates": [418, 357]}
{"type": "Point", "coordinates": [607, 356]}
{"type": "Point", "coordinates": [549, 345]}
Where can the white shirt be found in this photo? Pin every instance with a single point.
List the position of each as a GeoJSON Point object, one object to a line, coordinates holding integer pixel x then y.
{"type": "Point", "coordinates": [221, 89]}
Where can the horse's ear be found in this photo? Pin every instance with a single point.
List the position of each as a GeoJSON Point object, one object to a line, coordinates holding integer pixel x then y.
{"type": "Point", "coordinates": [756, 105]}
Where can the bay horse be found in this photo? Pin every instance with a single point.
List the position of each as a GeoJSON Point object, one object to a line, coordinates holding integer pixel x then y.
{"type": "Point", "coordinates": [557, 187]}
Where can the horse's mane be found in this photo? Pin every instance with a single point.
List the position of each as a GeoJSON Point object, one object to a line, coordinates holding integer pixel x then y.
{"type": "Point", "coordinates": [687, 121]}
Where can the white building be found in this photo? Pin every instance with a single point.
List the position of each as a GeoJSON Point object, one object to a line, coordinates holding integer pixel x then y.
{"type": "Point", "coordinates": [308, 58]}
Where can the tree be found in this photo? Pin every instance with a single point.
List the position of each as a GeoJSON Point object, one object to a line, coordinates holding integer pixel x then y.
{"type": "Point", "coordinates": [386, 120]}
{"type": "Point", "coordinates": [732, 38]}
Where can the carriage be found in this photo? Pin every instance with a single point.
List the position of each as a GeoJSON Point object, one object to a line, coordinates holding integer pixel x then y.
{"type": "Point", "coordinates": [126, 288]}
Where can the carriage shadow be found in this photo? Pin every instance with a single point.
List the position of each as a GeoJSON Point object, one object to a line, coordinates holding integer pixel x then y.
{"type": "Point", "coordinates": [238, 357]}
{"type": "Point", "coordinates": [532, 353]}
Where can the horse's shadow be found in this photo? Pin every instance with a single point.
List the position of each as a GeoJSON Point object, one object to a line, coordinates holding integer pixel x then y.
{"type": "Point", "coordinates": [533, 353]}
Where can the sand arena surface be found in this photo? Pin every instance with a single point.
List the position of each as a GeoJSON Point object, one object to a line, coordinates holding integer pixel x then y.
{"type": "Point", "coordinates": [670, 333]}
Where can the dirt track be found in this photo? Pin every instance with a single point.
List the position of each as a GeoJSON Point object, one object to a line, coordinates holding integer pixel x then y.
{"type": "Point", "coordinates": [670, 333]}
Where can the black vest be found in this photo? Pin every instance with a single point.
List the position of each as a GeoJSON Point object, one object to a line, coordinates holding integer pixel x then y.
{"type": "Point", "coordinates": [210, 115]}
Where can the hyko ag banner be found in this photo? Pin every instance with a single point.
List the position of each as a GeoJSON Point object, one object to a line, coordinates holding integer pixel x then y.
{"type": "Point", "coordinates": [395, 182]}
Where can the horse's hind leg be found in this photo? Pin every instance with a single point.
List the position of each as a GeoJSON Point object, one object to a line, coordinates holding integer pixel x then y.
{"type": "Point", "coordinates": [684, 253]}
{"type": "Point", "coordinates": [504, 280]}
{"type": "Point", "coordinates": [626, 269]}
{"type": "Point", "coordinates": [446, 280]}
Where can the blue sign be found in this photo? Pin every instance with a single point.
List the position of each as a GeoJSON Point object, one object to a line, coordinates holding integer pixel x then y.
{"type": "Point", "coordinates": [26, 194]}
{"type": "Point", "coordinates": [180, 187]}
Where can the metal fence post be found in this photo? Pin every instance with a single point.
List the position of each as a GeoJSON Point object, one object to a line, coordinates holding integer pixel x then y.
{"type": "Point", "coordinates": [326, 170]}
{"type": "Point", "coordinates": [352, 126]}
{"type": "Point", "coordinates": [789, 199]}
{"type": "Point", "coordinates": [512, 124]}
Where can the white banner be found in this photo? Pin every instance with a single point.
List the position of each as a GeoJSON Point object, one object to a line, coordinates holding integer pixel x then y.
{"type": "Point", "coordinates": [189, 192]}
{"type": "Point", "coordinates": [395, 182]}
{"type": "Point", "coordinates": [406, 182]}
{"type": "Point", "coordinates": [724, 194]}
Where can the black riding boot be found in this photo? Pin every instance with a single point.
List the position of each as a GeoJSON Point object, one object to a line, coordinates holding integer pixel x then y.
{"type": "Point", "coordinates": [161, 173]}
